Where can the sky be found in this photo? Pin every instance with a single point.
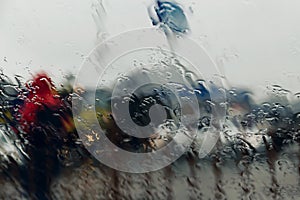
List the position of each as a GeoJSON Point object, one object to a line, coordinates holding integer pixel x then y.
{"type": "Point", "coordinates": [254, 43]}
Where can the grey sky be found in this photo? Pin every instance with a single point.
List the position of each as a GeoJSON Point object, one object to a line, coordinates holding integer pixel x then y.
{"type": "Point", "coordinates": [254, 42]}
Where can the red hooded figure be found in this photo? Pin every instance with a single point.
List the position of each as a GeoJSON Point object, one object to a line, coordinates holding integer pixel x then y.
{"type": "Point", "coordinates": [43, 105]}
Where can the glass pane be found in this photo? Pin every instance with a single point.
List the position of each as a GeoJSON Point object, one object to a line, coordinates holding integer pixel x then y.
{"type": "Point", "coordinates": [149, 99]}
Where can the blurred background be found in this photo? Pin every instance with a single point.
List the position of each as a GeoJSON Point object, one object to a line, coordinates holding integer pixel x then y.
{"type": "Point", "coordinates": [255, 44]}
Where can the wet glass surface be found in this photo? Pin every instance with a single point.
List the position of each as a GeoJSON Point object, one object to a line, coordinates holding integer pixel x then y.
{"type": "Point", "coordinates": [255, 45]}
